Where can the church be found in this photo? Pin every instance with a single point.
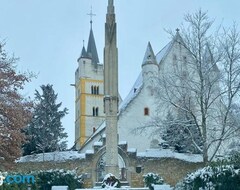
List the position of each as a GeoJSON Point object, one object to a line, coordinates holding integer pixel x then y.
{"type": "Point", "coordinates": [134, 111]}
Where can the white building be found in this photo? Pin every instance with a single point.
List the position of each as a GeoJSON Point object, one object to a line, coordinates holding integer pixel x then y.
{"type": "Point", "coordinates": [135, 110]}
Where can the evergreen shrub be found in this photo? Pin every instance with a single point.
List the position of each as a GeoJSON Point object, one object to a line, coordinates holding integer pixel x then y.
{"type": "Point", "coordinates": [151, 179]}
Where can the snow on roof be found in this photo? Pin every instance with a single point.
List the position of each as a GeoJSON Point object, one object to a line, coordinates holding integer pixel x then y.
{"type": "Point", "coordinates": [122, 142]}
{"type": "Point", "coordinates": [98, 143]}
{"type": "Point", "coordinates": [132, 94]}
{"type": "Point", "coordinates": [98, 130]}
{"type": "Point", "coordinates": [52, 156]}
{"type": "Point", "coordinates": [163, 52]}
{"type": "Point", "coordinates": [167, 153]}
{"type": "Point", "coordinates": [89, 152]}
{"type": "Point", "coordinates": [131, 150]}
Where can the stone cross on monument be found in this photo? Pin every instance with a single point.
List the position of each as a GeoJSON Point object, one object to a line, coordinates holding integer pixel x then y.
{"type": "Point", "coordinates": [111, 91]}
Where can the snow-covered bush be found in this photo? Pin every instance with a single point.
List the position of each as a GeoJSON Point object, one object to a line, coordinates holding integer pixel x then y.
{"type": "Point", "coordinates": [234, 159]}
{"type": "Point", "coordinates": [151, 179]}
{"type": "Point", "coordinates": [110, 181]}
{"type": "Point", "coordinates": [222, 177]}
{"type": "Point", "coordinates": [49, 178]}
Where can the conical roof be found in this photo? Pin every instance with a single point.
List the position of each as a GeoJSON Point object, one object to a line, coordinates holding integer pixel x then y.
{"type": "Point", "coordinates": [84, 53]}
{"type": "Point", "coordinates": [149, 57]}
{"type": "Point", "coordinates": [91, 49]}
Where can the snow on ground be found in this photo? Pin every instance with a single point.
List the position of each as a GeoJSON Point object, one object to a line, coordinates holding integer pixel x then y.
{"type": "Point", "coordinates": [52, 156]}
{"type": "Point", "coordinates": [167, 153]}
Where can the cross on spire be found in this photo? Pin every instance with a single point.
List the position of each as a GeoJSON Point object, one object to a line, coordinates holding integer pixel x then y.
{"type": "Point", "coordinates": [91, 14]}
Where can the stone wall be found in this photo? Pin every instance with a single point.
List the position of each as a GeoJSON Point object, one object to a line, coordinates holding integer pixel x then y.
{"type": "Point", "coordinates": [172, 170]}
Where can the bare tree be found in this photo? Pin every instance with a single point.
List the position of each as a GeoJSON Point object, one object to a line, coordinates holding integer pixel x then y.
{"type": "Point", "coordinates": [15, 110]}
{"type": "Point", "coordinates": [206, 82]}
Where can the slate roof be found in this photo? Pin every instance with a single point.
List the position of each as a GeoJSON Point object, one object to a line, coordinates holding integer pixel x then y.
{"type": "Point", "coordinates": [83, 53]}
{"type": "Point", "coordinates": [91, 48]}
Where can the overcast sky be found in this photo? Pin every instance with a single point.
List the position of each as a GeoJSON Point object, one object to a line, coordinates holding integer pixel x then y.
{"type": "Point", "coordinates": [47, 36]}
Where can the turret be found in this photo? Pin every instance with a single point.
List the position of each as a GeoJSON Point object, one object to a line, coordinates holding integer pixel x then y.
{"type": "Point", "coordinates": [149, 66]}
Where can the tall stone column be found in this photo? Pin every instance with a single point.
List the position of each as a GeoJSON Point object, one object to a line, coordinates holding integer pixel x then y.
{"type": "Point", "coordinates": [111, 90]}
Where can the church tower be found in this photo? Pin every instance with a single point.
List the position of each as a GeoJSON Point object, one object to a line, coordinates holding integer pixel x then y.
{"type": "Point", "coordinates": [111, 98]}
{"type": "Point", "coordinates": [89, 113]}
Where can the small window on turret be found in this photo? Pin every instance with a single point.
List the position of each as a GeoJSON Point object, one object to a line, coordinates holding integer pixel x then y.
{"type": "Point", "coordinates": [146, 111]}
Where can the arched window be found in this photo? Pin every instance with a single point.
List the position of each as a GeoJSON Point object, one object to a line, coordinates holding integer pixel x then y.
{"type": "Point", "coordinates": [97, 90]}
{"type": "Point", "coordinates": [97, 111]}
{"type": "Point", "coordinates": [91, 89]}
{"type": "Point", "coordinates": [146, 111]}
{"type": "Point", "coordinates": [93, 111]}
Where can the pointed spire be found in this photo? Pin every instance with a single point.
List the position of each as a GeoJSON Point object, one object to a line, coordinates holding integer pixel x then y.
{"type": "Point", "coordinates": [84, 52]}
{"type": "Point", "coordinates": [91, 48]}
{"type": "Point", "coordinates": [149, 57]}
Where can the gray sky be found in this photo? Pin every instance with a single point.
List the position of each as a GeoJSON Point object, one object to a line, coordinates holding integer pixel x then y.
{"type": "Point", "coordinates": [47, 35]}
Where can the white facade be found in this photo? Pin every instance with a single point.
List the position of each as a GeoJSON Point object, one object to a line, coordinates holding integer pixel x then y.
{"type": "Point", "coordinates": [139, 107]}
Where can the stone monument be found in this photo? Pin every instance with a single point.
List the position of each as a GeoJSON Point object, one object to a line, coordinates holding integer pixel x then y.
{"type": "Point", "coordinates": [111, 90]}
